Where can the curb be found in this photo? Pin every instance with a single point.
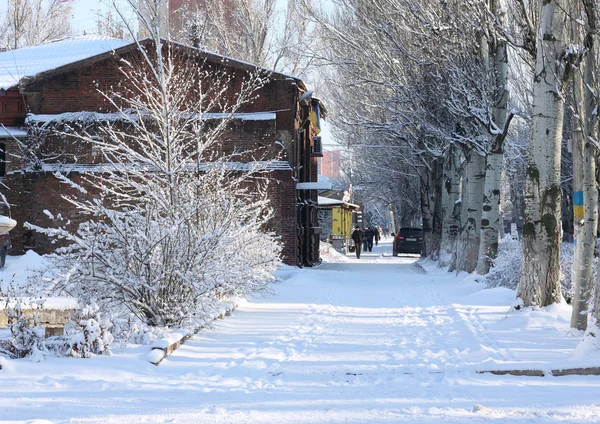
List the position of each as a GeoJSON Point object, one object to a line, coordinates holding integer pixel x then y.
{"type": "Point", "coordinates": [540, 373]}
{"type": "Point", "coordinates": [162, 348]}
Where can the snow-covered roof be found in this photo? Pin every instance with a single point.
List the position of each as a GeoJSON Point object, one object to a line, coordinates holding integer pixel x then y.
{"type": "Point", "coordinates": [31, 61]}
{"type": "Point", "coordinates": [321, 185]}
{"type": "Point", "coordinates": [255, 166]}
{"type": "Point", "coordinates": [34, 60]}
{"type": "Point", "coordinates": [10, 132]}
{"type": "Point", "coordinates": [90, 117]}
{"type": "Point", "coordinates": [327, 201]}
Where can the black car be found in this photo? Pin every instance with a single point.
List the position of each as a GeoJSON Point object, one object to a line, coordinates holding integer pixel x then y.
{"type": "Point", "coordinates": [408, 240]}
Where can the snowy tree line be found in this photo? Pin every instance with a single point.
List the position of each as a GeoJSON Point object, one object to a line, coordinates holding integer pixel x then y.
{"type": "Point", "coordinates": [478, 100]}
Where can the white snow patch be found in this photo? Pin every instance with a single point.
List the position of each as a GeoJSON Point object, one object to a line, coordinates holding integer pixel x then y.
{"type": "Point", "coordinates": [329, 254]}
{"type": "Point", "coordinates": [168, 339]}
{"type": "Point", "coordinates": [30, 61]}
{"type": "Point", "coordinates": [155, 355]}
{"type": "Point", "coordinates": [12, 132]}
{"type": "Point", "coordinates": [18, 270]}
{"type": "Point", "coordinates": [370, 340]}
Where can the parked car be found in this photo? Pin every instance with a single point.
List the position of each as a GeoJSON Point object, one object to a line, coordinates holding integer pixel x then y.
{"type": "Point", "coordinates": [408, 240]}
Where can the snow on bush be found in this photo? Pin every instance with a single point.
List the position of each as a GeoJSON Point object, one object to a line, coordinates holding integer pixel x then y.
{"type": "Point", "coordinates": [86, 334]}
{"type": "Point", "coordinates": [173, 229]}
{"type": "Point", "coordinates": [507, 266]}
{"type": "Point", "coordinates": [26, 338]}
{"type": "Point", "coordinates": [89, 333]}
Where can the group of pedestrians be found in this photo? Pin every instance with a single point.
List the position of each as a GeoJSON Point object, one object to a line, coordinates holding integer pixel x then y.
{"type": "Point", "coordinates": [364, 239]}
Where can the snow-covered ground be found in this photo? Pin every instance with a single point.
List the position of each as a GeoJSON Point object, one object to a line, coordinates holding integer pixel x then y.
{"type": "Point", "coordinates": [376, 340]}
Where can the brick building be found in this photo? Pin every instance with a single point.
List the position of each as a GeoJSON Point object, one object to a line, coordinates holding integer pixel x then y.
{"type": "Point", "coordinates": [331, 164]}
{"type": "Point", "coordinates": [57, 83]}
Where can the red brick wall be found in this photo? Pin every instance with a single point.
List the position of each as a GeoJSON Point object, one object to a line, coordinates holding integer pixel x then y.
{"type": "Point", "coordinates": [12, 108]}
{"type": "Point", "coordinates": [282, 193]}
{"type": "Point", "coordinates": [32, 193]}
{"type": "Point", "coordinates": [29, 194]}
{"type": "Point", "coordinates": [77, 90]}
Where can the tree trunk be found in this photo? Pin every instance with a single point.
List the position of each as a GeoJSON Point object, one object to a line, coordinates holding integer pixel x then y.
{"type": "Point", "coordinates": [578, 282]}
{"type": "Point", "coordinates": [518, 203]}
{"type": "Point", "coordinates": [490, 220]}
{"type": "Point", "coordinates": [583, 294]}
{"type": "Point", "coordinates": [539, 283]}
{"type": "Point", "coordinates": [450, 211]}
{"type": "Point", "coordinates": [467, 250]}
{"type": "Point", "coordinates": [437, 208]}
{"type": "Point", "coordinates": [427, 206]}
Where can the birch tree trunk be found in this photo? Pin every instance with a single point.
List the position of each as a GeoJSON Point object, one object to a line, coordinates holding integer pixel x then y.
{"type": "Point", "coordinates": [450, 209]}
{"type": "Point", "coordinates": [590, 185]}
{"type": "Point", "coordinates": [490, 220]}
{"type": "Point", "coordinates": [578, 201]}
{"type": "Point", "coordinates": [467, 249]}
{"type": "Point", "coordinates": [518, 203]}
{"type": "Point", "coordinates": [539, 282]}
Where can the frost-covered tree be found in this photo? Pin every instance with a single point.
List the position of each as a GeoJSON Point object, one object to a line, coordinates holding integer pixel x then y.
{"type": "Point", "coordinates": [173, 227]}
{"type": "Point", "coordinates": [30, 22]}
{"type": "Point", "coordinates": [539, 283]}
{"type": "Point", "coordinates": [267, 33]}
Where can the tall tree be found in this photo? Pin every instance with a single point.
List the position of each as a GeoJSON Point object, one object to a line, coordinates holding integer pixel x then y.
{"type": "Point", "coordinates": [30, 22]}
{"type": "Point", "coordinates": [539, 283]}
{"type": "Point", "coordinates": [585, 90]}
{"type": "Point", "coordinates": [258, 31]}
{"type": "Point", "coordinates": [498, 127]}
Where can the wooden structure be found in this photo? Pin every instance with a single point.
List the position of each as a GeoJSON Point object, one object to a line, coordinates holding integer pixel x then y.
{"type": "Point", "coordinates": [337, 217]}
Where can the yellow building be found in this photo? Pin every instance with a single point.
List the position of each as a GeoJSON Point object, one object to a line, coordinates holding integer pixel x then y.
{"type": "Point", "coordinates": [336, 221]}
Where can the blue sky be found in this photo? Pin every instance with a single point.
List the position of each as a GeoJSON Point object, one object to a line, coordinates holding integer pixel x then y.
{"type": "Point", "coordinates": [86, 11]}
{"type": "Point", "coordinates": [85, 14]}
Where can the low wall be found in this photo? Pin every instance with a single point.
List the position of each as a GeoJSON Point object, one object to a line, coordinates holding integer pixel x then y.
{"type": "Point", "coordinates": [52, 315]}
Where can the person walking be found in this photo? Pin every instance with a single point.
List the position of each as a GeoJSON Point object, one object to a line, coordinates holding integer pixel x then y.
{"type": "Point", "coordinates": [376, 229]}
{"type": "Point", "coordinates": [369, 235]}
{"type": "Point", "coordinates": [357, 237]}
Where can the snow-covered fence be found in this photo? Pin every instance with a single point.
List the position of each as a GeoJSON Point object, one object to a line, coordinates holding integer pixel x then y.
{"type": "Point", "coordinates": [163, 347]}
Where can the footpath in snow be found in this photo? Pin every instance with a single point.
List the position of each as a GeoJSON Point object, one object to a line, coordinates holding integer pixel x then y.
{"type": "Point", "coordinates": [376, 340]}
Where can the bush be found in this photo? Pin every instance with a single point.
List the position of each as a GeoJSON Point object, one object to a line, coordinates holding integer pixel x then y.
{"type": "Point", "coordinates": [507, 266]}
{"type": "Point", "coordinates": [85, 336]}
{"type": "Point", "coordinates": [89, 334]}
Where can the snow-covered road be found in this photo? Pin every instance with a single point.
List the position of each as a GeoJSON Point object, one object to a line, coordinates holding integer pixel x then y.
{"type": "Point", "coordinates": [375, 340]}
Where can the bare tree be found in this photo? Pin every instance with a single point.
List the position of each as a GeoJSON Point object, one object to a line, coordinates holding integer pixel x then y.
{"type": "Point", "coordinates": [173, 228]}
{"type": "Point", "coordinates": [30, 22]}
{"type": "Point", "coordinates": [256, 31]}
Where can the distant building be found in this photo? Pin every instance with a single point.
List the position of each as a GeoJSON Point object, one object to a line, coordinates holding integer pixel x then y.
{"type": "Point", "coordinates": [331, 164]}
{"type": "Point", "coordinates": [182, 15]}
